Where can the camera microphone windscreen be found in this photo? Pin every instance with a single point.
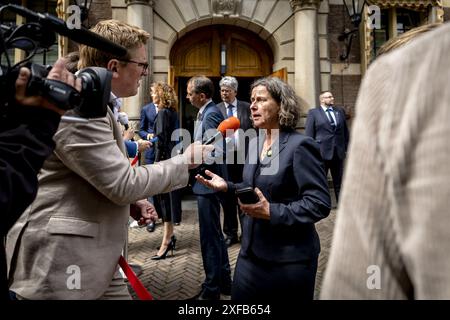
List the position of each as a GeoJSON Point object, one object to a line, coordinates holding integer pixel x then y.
{"type": "Point", "coordinates": [81, 35]}
{"type": "Point", "coordinates": [231, 123]}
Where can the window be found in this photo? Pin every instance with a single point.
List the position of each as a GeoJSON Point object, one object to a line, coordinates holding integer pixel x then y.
{"type": "Point", "coordinates": [406, 20]}
{"type": "Point", "coordinates": [49, 6]}
{"type": "Point", "coordinates": [380, 36]}
{"type": "Point", "coordinates": [9, 18]}
{"type": "Point", "coordinates": [403, 18]}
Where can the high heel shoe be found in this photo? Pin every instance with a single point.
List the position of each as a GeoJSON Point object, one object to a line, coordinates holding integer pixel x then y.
{"type": "Point", "coordinates": [172, 239]}
{"type": "Point", "coordinates": [170, 246]}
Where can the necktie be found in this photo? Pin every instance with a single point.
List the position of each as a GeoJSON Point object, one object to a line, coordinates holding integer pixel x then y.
{"type": "Point", "coordinates": [199, 116]}
{"type": "Point", "coordinates": [230, 110]}
{"type": "Point", "coordinates": [330, 110]}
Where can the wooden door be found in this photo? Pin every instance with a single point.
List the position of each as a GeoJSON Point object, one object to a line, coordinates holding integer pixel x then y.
{"type": "Point", "coordinates": [199, 52]}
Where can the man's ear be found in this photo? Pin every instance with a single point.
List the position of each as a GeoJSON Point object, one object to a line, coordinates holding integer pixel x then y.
{"type": "Point", "coordinates": [113, 65]}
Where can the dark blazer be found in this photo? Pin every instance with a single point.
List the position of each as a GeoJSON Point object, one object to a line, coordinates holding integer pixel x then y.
{"type": "Point", "coordinates": [319, 128]}
{"type": "Point", "coordinates": [297, 191]}
{"type": "Point", "coordinates": [243, 114]}
{"type": "Point", "coordinates": [210, 119]}
{"type": "Point", "coordinates": [166, 123]}
{"type": "Point", "coordinates": [148, 117]}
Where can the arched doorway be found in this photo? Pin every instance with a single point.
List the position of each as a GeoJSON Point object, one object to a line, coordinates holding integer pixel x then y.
{"type": "Point", "coordinates": [199, 52]}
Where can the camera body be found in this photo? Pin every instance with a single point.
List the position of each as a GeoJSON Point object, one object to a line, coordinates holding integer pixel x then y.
{"type": "Point", "coordinates": [91, 102]}
{"type": "Point", "coordinates": [33, 37]}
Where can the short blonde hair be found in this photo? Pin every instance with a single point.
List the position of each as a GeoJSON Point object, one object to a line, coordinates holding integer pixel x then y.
{"type": "Point", "coordinates": [124, 34]}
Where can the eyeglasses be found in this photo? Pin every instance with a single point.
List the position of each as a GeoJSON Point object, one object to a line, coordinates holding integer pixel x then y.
{"type": "Point", "coordinates": [144, 65]}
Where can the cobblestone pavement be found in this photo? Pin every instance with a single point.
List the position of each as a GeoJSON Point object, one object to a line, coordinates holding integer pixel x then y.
{"type": "Point", "coordinates": [180, 275]}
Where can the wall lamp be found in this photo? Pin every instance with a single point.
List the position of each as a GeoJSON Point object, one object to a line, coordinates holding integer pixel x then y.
{"type": "Point", "coordinates": [223, 59]}
{"type": "Point", "coordinates": [354, 11]}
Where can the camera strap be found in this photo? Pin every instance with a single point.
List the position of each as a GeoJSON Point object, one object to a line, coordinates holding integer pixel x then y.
{"type": "Point", "coordinates": [136, 284]}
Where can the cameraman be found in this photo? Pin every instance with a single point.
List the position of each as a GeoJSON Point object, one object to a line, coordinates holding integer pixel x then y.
{"type": "Point", "coordinates": [68, 244]}
{"type": "Point", "coordinates": [26, 130]}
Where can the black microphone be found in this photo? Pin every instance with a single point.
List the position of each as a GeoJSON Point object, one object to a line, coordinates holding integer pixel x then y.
{"type": "Point", "coordinates": [82, 35]}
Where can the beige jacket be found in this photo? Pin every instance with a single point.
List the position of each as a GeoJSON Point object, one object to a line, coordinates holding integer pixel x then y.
{"type": "Point", "coordinates": [78, 221]}
{"type": "Point", "coordinates": [392, 233]}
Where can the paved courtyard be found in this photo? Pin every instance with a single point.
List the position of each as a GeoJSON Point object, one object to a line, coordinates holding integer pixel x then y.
{"type": "Point", "coordinates": [180, 276]}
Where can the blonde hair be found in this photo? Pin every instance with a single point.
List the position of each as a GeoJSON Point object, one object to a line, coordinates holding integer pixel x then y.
{"type": "Point", "coordinates": [124, 34]}
{"type": "Point", "coordinates": [166, 95]}
{"type": "Point", "coordinates": [406, 37]}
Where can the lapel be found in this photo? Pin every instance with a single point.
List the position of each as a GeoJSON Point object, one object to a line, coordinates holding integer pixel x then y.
{"type": "Point", "coordinates": [336, 115]}
{"type": "Point", "coordinates": [240, 115]}
{"type": "Point", "coordinates": [117, 133]}
{"type": "Point", "coordinates": [252, 159]}
{"type": "Point", "coordinates": [277, 146]}
{"type": "Point", "coordinates": [325, 117]}
{"type": "Point", "coordinates": [222, 109]}
{"type": "Point", "coordinates": [198, 127]}
{"type": "Point", "coordinates": [151, 112]}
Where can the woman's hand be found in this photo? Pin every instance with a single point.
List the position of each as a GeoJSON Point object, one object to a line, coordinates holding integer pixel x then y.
{"type": "Point", "coordinates": [260, 210]}
{"type": "Point", "coordinates": [217, 183]}
{"type": "Point", "coordinates": [128, 134]}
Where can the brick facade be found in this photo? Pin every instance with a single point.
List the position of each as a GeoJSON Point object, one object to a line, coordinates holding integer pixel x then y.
{"type": "Point", "coordinates": [338, 21]}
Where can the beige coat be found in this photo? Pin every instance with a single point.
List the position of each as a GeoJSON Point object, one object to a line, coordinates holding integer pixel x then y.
{"type": "Point", "coordinates": [78, 221]}
{"type": "Point", "coordinates": [392, 233]}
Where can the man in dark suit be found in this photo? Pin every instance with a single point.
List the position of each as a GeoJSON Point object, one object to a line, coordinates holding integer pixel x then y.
{"type": "Point", "coordinates": [327, 125]}
{"type": "Point", "coordinates": [236, 153]}
{"type": "Point", "coordinates": [146, 132]}
{"type": "Point", "coordinates": [214, 251]}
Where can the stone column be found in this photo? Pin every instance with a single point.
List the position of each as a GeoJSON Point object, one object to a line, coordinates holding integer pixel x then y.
{"type": "Point", "coordinates": [307, 71]}
{"type": "Point", "coordinates": [140, 14]}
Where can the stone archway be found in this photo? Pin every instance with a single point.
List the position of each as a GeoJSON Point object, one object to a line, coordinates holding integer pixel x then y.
{"type": "Point", "coordinates": [198, 52]}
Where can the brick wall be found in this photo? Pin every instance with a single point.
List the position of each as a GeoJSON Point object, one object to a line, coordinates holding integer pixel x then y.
{"type": "Point", "coordinates": [345, 91]}
{"type": "Point", "coordinates": [338, 21]}
{"type": "Point", "coordinates": [344, 87]}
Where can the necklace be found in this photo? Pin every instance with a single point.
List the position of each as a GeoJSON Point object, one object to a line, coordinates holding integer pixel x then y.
{"type": "Point", "coordinates": [267, 152]}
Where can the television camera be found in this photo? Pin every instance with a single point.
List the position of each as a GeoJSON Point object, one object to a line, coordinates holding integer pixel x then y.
{"type": "Point", "coordinates": [37, 35]}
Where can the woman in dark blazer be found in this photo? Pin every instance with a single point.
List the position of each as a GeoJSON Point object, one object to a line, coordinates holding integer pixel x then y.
{"type": "Point", "coordinates": [168, 205]}
{"type": "Point", "coordinates": [280, 245]}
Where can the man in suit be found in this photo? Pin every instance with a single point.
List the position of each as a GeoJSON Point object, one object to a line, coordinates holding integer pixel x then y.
{"type": "Point", "coordinates": [392, 236]}
{"type": "Point", "coordinates": [214, 251]}
{"type": "Point", "coordinates": [327, 125]}
{"type": "Point", "coordinates": [236, 153]}
{"type": "Point", "coordinates": [67, 244]}
{"type": "Point", "coordinates": [146, 131]}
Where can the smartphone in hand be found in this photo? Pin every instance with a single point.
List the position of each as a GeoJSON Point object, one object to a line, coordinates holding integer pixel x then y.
{"type": "Point", "coordinates": [247, 195]}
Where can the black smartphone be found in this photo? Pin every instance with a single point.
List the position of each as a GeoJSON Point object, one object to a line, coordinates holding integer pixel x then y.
{"type": "Point", "coordinates": [247, 195]}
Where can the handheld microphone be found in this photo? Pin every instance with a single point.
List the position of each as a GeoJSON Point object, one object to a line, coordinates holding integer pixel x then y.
{"type": "Point", "coordinates": [123, 119]}
{"type": "Point", "coordinates": [83, 35]}
{"type": "Point", "coordinates": [231, 123]}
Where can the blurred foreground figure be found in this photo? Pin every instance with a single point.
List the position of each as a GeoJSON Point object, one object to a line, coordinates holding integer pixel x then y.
{"type": "Point", "coordinates": [392, 234]}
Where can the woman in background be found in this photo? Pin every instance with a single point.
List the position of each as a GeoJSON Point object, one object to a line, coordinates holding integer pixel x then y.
{"type": "Point", "coordinates": [167, 205]}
